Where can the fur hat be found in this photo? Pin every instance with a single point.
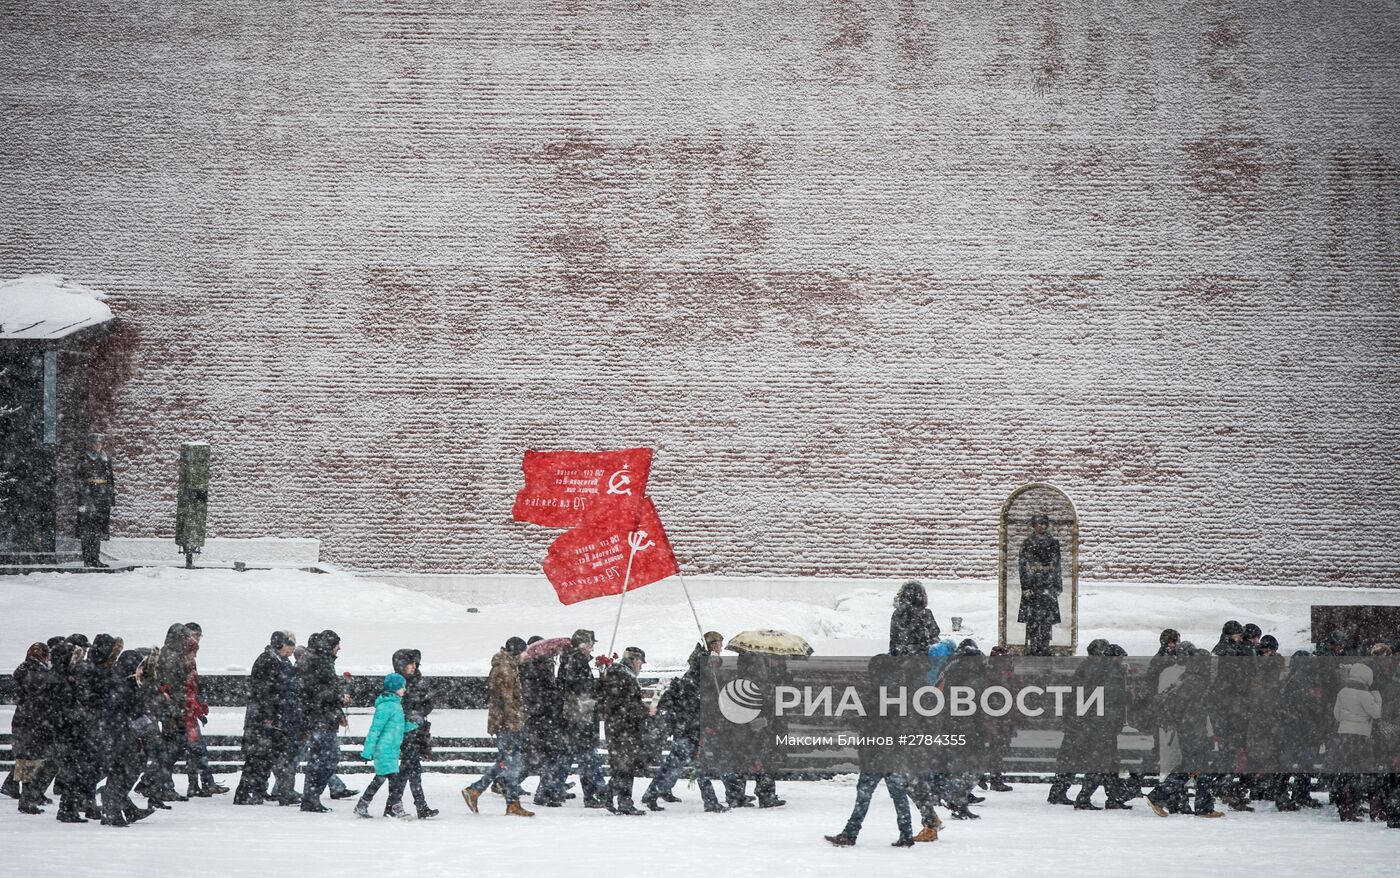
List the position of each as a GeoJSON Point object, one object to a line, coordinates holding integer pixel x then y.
{"type": "Point", "coordinates": [633, 652]}
{"type": "Point", "coordinates": [515, 646]}
{"type": "Point", "coordinates": [582, 636]}
{"type": "Point", "coordinates": [712, 636]}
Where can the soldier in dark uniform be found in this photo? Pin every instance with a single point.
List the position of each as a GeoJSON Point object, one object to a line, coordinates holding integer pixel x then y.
{"type": "Point", "coordinates": [1041, 584]}
{"type": "Point", "coordinates": [97, 494]}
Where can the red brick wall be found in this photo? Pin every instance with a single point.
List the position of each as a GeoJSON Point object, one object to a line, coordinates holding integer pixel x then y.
{"type": "Point", "coordinates": [855, 270]}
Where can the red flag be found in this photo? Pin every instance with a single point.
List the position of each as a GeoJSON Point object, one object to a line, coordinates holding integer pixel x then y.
{"type": "Point", "coordinates": [590, 561]}
{"type": "Point", "coordinates": [561, 486]}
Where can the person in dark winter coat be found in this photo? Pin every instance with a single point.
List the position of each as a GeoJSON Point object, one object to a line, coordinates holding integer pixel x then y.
{"type": "Point", "coordinates": [543, 719]}
{"type": "Point", "coordinates": [912, 626]}
{"type": "Point", "coordinates": [679, 711]}
{"type": "Point", "coordinates": [1038, 566]}
{"type": "Point", "coordinates": [1001, 671]}
{"type": "Point", "coordinates": [128, 724]}
{"type": "Point", "coordinates": [756, 740]}
{"type": "Point", "coordinates": [625, 725]}
{"type": "Point", "coordinates": [323, 715]}
{"type": "Point", "coordinates": [505, 718]}
{"type": "Point", "coordinates": [966, 668]}
{"type": "Point", "coordinates": [1168, 654]}
{"type": "Point", "coordinates": [417, 741]}
{"type": "Point", "coordinates": [1265, 706]}
{"type": "Point", "coordinates": [96, 684]}
{"type": "Point", "coordinates": [75, 724]}
{"type": "Point", "coordinates": [1091, 741]}
{"type": "Point", "coordinates": [33, 727]}
{"type": "Point", "coordinates": [884, 672]}
{"type": "Point", "coordinates": [269, 721]}
{"type": "Point", "coordinates": [1305, 716]}
{"type": "Point", "coordinates": [1177, 709]}
{"type": "Point", "coordinates": [1385, 737]}
{"type": "Point", "coordinates": [578, 733]}
{"type": "Point", "coordinates": [1229, 709]}
{"type": "Point", "coordinates": [169, 672]}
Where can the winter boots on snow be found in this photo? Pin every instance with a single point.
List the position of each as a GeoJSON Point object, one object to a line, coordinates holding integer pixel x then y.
{"type": "Point", "coordinates": [624, 806]}
{"type": "Point", "coordinates": [470, 796]}
{"type": "Point", "coordinates": [927, 833]}
{"type": "Point", "coordinates": [845, 841]}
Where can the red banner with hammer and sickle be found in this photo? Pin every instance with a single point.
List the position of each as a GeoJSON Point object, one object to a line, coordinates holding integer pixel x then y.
{"type": "Point", "coordinates": [561, 487]}
{"type": "Point", "coordinates": [590, 561]}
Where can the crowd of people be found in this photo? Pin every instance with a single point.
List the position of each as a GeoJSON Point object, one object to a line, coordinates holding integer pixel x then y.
{"type": "Point", "coordinates": [100, 722]}
{"type": "Point", "coordinates": [1260, 712]}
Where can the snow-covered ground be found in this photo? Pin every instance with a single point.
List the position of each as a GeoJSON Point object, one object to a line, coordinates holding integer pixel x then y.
{"type": "Point", "coordinates": [458, 625]}
{"type": "Point", "coordinates": [1018, 835]}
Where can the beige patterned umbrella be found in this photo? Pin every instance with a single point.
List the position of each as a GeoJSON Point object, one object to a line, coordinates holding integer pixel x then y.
{"type": "Point", "coordinates": [770, 641]}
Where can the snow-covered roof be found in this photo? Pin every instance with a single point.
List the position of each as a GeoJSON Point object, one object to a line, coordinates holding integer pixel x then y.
{"type": "Point", "coordinates": [48, 306]}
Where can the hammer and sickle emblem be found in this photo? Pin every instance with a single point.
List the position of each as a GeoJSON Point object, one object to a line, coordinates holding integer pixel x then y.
{"type": "Point", "coordinates": [620, 483]}
{"type": "Point", "coordinates": [640, 540]}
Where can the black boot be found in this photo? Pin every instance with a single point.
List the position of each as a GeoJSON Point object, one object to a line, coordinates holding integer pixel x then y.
{"type": "Point", "coordinates": [1058, 789]}
{"type": "Point", "coordinates": [114, 817]}
{"type": "Point", "coordinates": [625, 806]}
{"type": "Point", "coordinates": [30, 798]}
{"type": "Point", "coordinates": [68, 811]}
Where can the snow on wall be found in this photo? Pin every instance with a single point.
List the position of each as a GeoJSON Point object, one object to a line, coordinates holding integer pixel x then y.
{"type": "Point", "coordinates": [855, 270]}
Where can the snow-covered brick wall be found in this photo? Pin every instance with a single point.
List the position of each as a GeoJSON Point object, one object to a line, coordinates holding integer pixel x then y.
{"type": "Point", "coordinates": [855, 270]}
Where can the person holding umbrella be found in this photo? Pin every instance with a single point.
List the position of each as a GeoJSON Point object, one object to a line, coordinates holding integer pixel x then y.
{"type": "Point", "coordinates": [543, 713]}
{"type": "Point", "coordinates": [763, 656]}
{"type": "Point", "coordinates": [578, 731]}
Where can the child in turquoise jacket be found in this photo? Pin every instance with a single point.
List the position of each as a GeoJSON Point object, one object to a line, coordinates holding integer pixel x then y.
{"type": "Point", "coordinates": [382, 745]}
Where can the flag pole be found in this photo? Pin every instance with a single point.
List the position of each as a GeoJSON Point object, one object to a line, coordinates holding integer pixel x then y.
{"type": "Point", "coordinates": [626, 578]}
{"type": "Point", "coordinates": [685, 588]}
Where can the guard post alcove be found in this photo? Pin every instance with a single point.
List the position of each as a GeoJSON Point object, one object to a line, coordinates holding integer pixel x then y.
{"type": "Point", "coordinates": [1023, 567]}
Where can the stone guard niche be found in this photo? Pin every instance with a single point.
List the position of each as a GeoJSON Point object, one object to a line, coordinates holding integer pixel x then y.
{"type": "Point", "coordinates": [1016, 515]}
